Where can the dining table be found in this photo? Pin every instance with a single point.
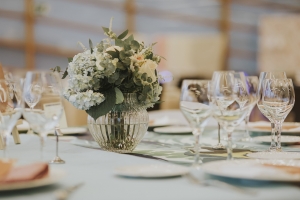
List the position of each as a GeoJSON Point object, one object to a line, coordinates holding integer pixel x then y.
{"type": "Point", "coordinates": [95, 169]}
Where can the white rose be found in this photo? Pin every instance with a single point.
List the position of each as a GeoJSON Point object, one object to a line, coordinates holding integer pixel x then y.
{"type": "Point", "coordinates": [149, 68]}
{"type": "Point", "coordinates": [113, 48]}
{"type": "Point", "coordinates": [137, 58]}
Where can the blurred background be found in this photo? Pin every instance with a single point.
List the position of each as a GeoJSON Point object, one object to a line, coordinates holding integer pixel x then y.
{"type": "Point", "coordinates": [196, 37]}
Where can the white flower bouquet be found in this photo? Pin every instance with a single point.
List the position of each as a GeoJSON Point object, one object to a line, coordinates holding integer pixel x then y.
{"type": "Point", "coordinates": [99, 76]}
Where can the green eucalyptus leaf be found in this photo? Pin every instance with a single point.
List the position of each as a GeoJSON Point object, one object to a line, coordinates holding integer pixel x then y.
{"type": "Point", "coordinates": [104, 107]}
{"type": "Point", "coordinates": [135, 45]}
{"type": "Point", "coordinates": [119, 43]}
{"type": "Point", "coordinates": [119, 96]}
{"type": "Point", "coordinates": [70, 60]}
{"type": "Point", "coordinates": [122, 35]}
{"type": "Point", "coordinates": [114, 54]}
{"type": "Point", "coordinates": [106, 30]}
{"type": "Point", "coordinates": [91, 45]}
{"type": "Point", "coordinates": [130, 38]}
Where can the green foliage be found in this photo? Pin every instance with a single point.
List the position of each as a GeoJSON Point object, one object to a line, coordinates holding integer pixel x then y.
{"type": "Point", "coordinates": [123, 35]}
{"type": "Point", "coordinates": [119, 96]}
{"type": "Point", "coordinates": [105, 106]}
{"type": "Point", "coordinates": [91, 45]}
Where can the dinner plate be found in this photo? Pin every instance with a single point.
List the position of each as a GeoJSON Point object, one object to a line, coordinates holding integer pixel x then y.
{"type": "Point", "coordinates": [23, 127]}
{"type": "Point", "coordinates": [152, 171]}
{"type": "Point", "coordinates": [173, 130]}
{"type": "Point", "coordinates": [265, 127]}
{"type": "Point", "coordinates": [162, 121]}
{"type": "Point", "coordinates": [261, 170]}
{"type": "Point", "coordinates": [274, 155]}
{"type": "Point", "coordinates": [54, 176]}
{"type": "Point", "coordinates": [285, 139]}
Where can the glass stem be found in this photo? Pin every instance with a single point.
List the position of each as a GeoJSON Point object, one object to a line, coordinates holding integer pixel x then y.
{"type": "Point", "coordinates": [197, 159]}
{"type": "Point", "coordinates": [6, 136]}
{"type": "Point", "coordinates": [273, 143]}
{"type": "Point", "coordinates": [42, 139]}
{"type": "Point", "coordinates": [247, 136]}
{"type": "Point", "coordinates": [229, 146]}
{"type": "Point", "coordinates": [278, 127]}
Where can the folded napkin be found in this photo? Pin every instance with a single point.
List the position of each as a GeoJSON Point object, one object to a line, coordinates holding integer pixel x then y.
{"type": "Point", "coordinates": [24, 173]}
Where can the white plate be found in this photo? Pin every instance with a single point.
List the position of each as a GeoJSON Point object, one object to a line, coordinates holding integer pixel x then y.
{"type": "Point", "coordinates": [70, 130]}
{"type": "Point", "coordinates": [173, 129]}
{"type": "Point", "coordinates": [285, 139]}
{"type": "Point", "coordinates": [162, 121]}
{"type": "Point", "coordinates": [54, 176]}
{"type": "Point", "coordinates": [275, 155]}
{"type": "Point", "coordinates": [265, 127]}
{"type": "Point", "coordinates": [252, 170]}
{"type": "Point", "coordinates": [152, 171]}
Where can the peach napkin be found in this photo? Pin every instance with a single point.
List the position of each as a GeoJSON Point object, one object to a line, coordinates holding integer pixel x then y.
{"type": "Point", "coordinates": [25, 173]}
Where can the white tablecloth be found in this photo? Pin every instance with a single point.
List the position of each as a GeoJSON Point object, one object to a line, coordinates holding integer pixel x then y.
{"type": "Point", "coordinates": [95, 168]}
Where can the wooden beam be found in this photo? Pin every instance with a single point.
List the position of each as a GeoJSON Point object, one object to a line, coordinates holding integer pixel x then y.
{"type": "Point", "coordinates": [130, 11]}
{"type": "Point", "coordinates": [29, 35]}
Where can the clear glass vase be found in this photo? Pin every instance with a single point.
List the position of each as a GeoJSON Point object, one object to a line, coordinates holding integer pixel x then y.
{"type": "Point", "coordinates": [122, 128]}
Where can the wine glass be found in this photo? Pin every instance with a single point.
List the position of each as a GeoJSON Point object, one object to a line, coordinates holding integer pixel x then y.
{"type": "Point", "coordinates": [231, 102]}
{"type": "Point", "coordinates": [11, 106]}
{"type": "Point", "coordinates": [252, 85]}
{"type": "Point", "coordinates": [194, 105]}
{"type": "Point", "coordinates": [212, 100]}
{"type": "Point", "coordinates": [43, 90]}
{"type": "Point", "coordinates": [260, 105]}
{"type": "Point", "coordinates": [278, 98]}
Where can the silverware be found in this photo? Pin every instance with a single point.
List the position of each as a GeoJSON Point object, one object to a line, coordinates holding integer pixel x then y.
{"type": "Point", "coordinates": [220, 184]}
{"type": "Point", "coordinates": [63, 194]}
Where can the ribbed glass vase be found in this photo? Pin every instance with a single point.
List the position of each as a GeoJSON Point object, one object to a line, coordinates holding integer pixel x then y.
{"type": "Point", "coordinates": [122, 128]}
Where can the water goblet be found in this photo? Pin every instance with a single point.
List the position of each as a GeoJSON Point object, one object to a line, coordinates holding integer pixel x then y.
{"type": "Point", "coordinates": [278, 98]}
{"type": "Point", "coordinates": [260, 105]}
{"type": "Point", "coordinates": [211, 99]}
{"type": "Point", "coordinates": [252, 85]}
{"type": "Point", "coordinates": [11, 106]}
{"type": "Point", "coordinates": [47, 100]}
{"type": "Point", "coordinates": [194, 105]}
{"type": "Point", "coordinates": [231, 103]}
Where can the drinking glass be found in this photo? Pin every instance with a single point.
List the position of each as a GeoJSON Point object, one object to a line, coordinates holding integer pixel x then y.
{"type": "Point", "coordinates": [212, 100]}
{"type": "Point", "coordinates": [11, 106]}
{"type": "Point", "coordinates": [42, 90]}
{"type": "Point", "coordinates": [231, 103]}
{"type": "Point", "coordinates": [252, 85]}
{"type": "Point", "coordinates": [278, 98]}
{"type": "Point", "coordinates": [194, 105]}
{"type": "Point", "coordinates": [260, 105]}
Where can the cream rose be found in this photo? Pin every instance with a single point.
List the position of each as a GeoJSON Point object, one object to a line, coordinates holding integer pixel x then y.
{"type": "Point", "coordinates": [113, 48]}
{"type": "Point", "coordinates": [149, 68]}
{"type": "Point", "coordinates": [138, 58]}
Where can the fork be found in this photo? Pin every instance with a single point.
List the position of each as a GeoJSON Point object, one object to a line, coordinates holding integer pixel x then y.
{"type": "Point", "coordinates": [220, 184]}
{"type": "Point", "coordinates": [63, 194]}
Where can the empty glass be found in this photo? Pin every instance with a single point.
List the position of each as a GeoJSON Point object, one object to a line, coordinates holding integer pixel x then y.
{"type": "Point", "coordinates": [278, 98]}
{"type": "Point", "coordinates": [260, 105]}
{"type": "Point", "coordinates": [194, 105]}
{"type": "Point", "coordinates": [11, 106]}
{"type": "Point", "coordinates": [252, 85]}
{"type": "Point", "coordinates": [43, 91]}
{"type": "Point", "coordinates": [231, 103]}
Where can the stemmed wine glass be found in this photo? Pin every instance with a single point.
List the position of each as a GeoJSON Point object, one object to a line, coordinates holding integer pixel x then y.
{"type": "Point", "coordinates": [194, 105]}
{"type": "Point", "coordinates": [252, 85]}
{"type": "Point", "coordinates": [278, 98]}
{"type": "Point", "coordinates": [11, 106]}
{"type": "Point", "coordinates": [43, 90]}
{"type": "Point", "coordinates": [212, 100]}
{"type": "Point", "coordinates": [262, 77]}
{"type": "Point", "coordinates": [231, 102]}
